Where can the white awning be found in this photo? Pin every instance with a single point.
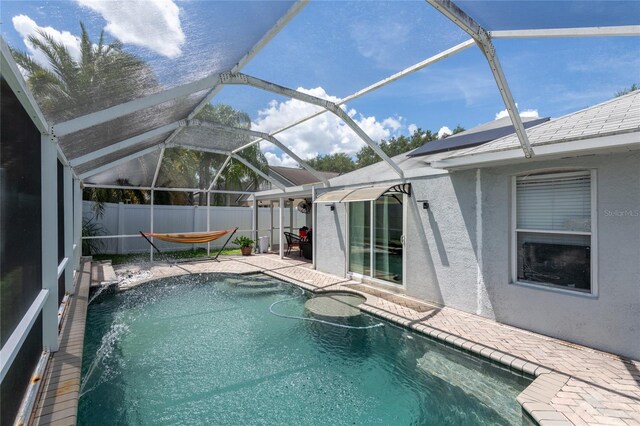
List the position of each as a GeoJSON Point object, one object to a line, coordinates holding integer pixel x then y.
{"type": "Point", "coordinates": [369, 193]}
{"type": "Point", "coordinates": [333, 196]}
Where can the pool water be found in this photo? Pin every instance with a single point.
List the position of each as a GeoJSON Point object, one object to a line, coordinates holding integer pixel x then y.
{"type": "Point", "coordinates": [204, 349]}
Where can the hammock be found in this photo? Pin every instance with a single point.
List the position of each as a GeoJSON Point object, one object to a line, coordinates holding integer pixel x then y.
{"type": "Point", "coordinates": [192, 237]}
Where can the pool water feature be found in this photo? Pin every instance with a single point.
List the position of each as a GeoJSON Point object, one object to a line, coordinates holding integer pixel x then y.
{"type": "Point", "coordinates": [204, 349]}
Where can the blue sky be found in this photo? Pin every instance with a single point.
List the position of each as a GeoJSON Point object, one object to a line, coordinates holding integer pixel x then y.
{"type": "Point", "coordinates": [332, 49]}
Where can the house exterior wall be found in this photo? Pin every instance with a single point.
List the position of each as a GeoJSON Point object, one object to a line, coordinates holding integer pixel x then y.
{"type": "Point", "coordinates": [453, 262]}
{"type": "Point", "coordinates": [609, 320]}
{"type": "Point", "coordinates": [331, 239]}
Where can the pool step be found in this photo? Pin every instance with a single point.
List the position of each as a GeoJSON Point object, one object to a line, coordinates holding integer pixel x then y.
{"type": "Point", "coordinates": [102, 274]}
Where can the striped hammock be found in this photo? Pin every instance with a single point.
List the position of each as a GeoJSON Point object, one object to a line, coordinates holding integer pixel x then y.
{"type": "Point", "coordinates": [191, 237]}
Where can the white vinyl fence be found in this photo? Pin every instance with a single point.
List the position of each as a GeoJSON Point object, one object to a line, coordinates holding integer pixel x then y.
{"type": "Point", "coordinates": [126, 220]}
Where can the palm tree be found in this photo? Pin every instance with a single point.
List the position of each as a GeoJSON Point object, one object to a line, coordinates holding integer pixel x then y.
{"type": "Point", "coordinates": [193, 169]}
{"type": "Point", "coordinates": [104, 75]}
{"type": "Point", "coordinates": [237, 176]}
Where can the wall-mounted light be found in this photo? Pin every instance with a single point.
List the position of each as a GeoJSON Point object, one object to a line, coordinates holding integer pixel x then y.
{"type": "Point", "coordinates": [332, 207]}
{"type": "Point", "coordinates": [425, 204]}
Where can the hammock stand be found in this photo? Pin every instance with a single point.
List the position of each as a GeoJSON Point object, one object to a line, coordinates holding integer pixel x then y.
{"type": "Point", "coordinates": [192, 238]}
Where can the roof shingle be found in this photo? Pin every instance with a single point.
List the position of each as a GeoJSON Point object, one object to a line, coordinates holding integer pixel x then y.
{"type": "Point", "coordinates": [616, 116]}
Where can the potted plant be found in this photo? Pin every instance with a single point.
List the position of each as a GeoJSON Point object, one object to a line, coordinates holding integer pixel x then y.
{"type": "Point", "coordinates": [245, 243]}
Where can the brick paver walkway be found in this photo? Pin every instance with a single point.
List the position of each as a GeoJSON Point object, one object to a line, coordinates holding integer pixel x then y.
{"type": "Point", "coordinates": [574, 384]}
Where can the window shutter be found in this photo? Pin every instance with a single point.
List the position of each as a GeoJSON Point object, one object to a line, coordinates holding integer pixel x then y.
{"type": "Point", "coordinates": [554, 202]}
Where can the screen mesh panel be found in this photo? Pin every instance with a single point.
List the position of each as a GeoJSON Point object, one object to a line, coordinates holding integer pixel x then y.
{"type": "Point", "coordinates": [136, 172]}
{"type": "Point", "coordinates": [60, 206]}
{"type": "Point", "coordinates": [187, 168]}
{"type": "Point", "coordinates": [15, 383]}
{"type": "Point", "coordinates": [116, 155]}
{"type": "Point", "coordinates": [20, 218]}
{"type": "Point", "coordinates": [189, 41]}
{"type": "Point", "coordinates": [137, 123]}
{"type": "Point", "coordinates": [389, 35]}
{"type": "Point", "coordinates": [510, 15]}
{"type": "Point", "coordinates": [211, 138]}
{"type": "Point", "coordinates": [60, 289]}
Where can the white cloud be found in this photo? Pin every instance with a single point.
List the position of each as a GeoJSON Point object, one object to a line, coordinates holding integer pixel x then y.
{"type": "Point", "coordinates": [393, 123]}
{"type": "Point", "coordinates": [284, 160]}
{"type": "Point", "coordinates": [154, 25]}
{"type": "Point", "coordinates": [412, 128]}
{"type": "Point", "coordinates": [383, 47]}
{"type": "Point", "coordinates": [528, 113]}
{"type": "Point", "coordinates": [444, 131]}
{"type": "Point", "coordinates": [325, 134]}
{"type": "Point", "coordinates": [27, 27]}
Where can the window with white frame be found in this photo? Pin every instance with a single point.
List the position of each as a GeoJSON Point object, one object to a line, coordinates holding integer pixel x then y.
{"type": "Point", "coordinates": [553, 234]}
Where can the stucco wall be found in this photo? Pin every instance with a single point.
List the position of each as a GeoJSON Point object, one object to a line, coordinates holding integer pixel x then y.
{"type": "Point", "coordinates": [609, 321]}
{"type": "Point", "coordinates": [443, 257]}
{"type": "Point", "coordinates": [441, 261]}
{"type": "Point", "coordinates": [330, 251]}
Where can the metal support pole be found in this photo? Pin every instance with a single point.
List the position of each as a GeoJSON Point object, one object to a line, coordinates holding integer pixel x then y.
{"type": "Point", "coordinates": [49, 184]}
{"type": "Point", "coordinates": [151, 226]}
{"type": "Point", "coordinates": [281, 233]}
{"type": "Point", "coordinates": [259, 172]}
{"type": "Point", "coordinates": [291, 217]}
{"type": "Point", "coordinates": [209, 221]}
{"type": "Point", "coordinates": [313, 227]}
{"type": "Point", "coordinates": [271, 225]}
{"type": "Point", "coordinates": [120, 246]}
{"type": "Point", "coordinates": [77, 222]}
{"type": "Point", "coordinates": [215, 179]}
{"type": "Point", "coordinates": [254, 222]}
{"type": "Point", "coordinates": [483, 39]}
{"type": "Point", "coordinates": [239, 78]}
{"type": "Point", "coordinates": [68, 228]}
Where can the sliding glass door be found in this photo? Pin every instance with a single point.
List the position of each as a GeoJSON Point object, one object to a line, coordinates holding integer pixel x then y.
{"type": "Point", "coordinates": [360, 237]}
{"type": "Point", "coordinates": [386, 214]}
{"type": "Point", "coordinates": [388, 238]}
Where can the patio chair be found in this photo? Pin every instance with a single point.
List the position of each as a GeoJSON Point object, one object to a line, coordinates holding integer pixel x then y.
{"type": "Point", "coordinates": [292, 241]}
{"type": "Point", "coordinates": [306, 247]}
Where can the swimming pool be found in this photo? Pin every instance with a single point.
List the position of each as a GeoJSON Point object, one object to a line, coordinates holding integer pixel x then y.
{"type": "Point", "coordinates": [205, 349]}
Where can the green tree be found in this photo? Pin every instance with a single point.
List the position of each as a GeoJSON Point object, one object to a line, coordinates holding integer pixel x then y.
{"type": "Point", "coordinates": [458, 129]}
{"type": "Point", "coordinates": [339, 163]}
{"type": "Point", "coordinates": [236, 176]}
{"type": "Point", "coordinates": [186, 168]}
{"type": "Point", "coordinates": [104, 75]}
{"type": "Point", "coordinates": [630, 89]}
{"type": "Point", "coordinates": [395, 146]}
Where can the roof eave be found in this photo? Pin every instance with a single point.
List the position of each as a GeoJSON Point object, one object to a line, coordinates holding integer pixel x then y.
{"type": "Point", "coordinates": [299, 191]}
{"type": "Point", "coordinates": [604, 144]}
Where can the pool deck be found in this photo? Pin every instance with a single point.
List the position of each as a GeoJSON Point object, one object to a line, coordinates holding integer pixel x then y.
{"type": "Point", "coordinates": [57, 402]}
{"type": "Point", "coordinates": [573, 384]}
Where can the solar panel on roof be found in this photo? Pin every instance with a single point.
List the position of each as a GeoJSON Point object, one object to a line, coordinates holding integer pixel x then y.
{"type": "Point", "coordinates": [470, 138]}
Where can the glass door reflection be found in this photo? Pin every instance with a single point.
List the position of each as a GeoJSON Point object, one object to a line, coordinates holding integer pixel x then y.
{"type": "Point", "coordinates": [388, 238]}
{"type": "Point", "coordinates": [360, 237]}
